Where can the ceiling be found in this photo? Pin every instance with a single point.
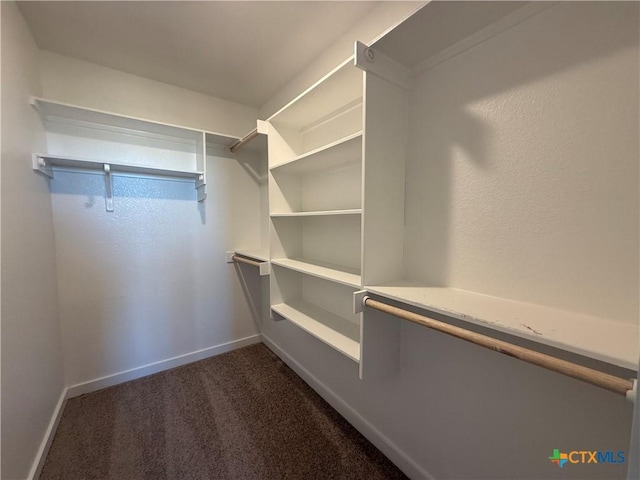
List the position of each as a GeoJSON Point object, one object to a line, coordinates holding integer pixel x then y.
{"type": "Point", "coordinates": [240, 51]}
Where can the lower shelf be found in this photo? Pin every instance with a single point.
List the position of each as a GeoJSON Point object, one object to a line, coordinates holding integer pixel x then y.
{"type": "Point", "coordinates": [329, 328]}
{"type": "Point", "coordinates": [605, 340]}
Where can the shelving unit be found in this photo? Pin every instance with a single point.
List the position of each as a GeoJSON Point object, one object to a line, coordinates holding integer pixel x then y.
{"type": "Point", "coordinates": [89, 139]}
{"type": "Point", "coordinates": [461, 220]}
{"type": "Point", "coordinates": [315, 201]}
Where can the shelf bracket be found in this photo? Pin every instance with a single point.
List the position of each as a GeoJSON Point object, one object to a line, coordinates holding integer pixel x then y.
{"type": "Point", "coordinates": [108, 188]}
{"type": "Point", "coordinates": [358, 298]}
{"type": "Point", "coordinates": [40, 165]}
{"type": "Point", "coordinates": [379, 64]}
{"type": "Point", "coordinates": [201, 188]}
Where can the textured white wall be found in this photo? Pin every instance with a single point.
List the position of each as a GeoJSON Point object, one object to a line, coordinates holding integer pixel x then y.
{"type": "Point", "coordinates": [455, 410]}
{"type": "Point", "coordinates": [149, 281]}
{"type": "Point", "coordinates": [523, 165]}
{"type": "Point", "coordinates": [31, 352]}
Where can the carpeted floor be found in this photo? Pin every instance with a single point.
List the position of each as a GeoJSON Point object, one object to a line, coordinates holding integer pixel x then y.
{"type": "Point", "coordinates": [240, 415]}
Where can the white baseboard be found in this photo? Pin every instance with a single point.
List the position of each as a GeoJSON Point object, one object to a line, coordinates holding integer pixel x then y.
{"type": "Point", "coordinates": [41, 456]}
{"type": "Point", "coordinates": [386, 446]}
{"type": "Point", "coordinates": [151, 368]}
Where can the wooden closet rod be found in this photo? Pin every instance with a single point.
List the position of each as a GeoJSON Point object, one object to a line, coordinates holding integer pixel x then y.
{"type": "Point", "coordinates": [244, 140]}
{"type": "Point", "coordinates": [594, 377]}
{"type": "Point", "coordinates": [236, 258]}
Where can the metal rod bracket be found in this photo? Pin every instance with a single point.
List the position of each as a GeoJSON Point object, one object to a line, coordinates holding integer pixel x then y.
{"type": "Point", "coordinates": [201, 188]}
{"type": "Point", "coordinates": [108, 188]}
{"type": "Point", "coordinates": [358, 301]}
{"type": "Point", "coordinates": [40, 165]}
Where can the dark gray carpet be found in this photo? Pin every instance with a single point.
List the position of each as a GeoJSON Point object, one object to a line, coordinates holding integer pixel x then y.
{"type": "Point", "coordinates": [240, 415]}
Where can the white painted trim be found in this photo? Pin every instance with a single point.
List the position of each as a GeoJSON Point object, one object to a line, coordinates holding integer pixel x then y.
{"type": "Point", "coordinates": [47, 439]}
{"type": "Point", "coordinates": [386, 446]}
{"type": "Point", "coordinates": [143, 371]}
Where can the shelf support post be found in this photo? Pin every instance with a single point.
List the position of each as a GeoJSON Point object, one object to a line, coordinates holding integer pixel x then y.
{"type": "Point", "coordinates": [108, 186]}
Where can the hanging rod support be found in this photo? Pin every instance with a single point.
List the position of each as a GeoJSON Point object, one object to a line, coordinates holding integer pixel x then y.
{"type": "Point", "coordinates": [621, 386]}
{"type": "Point", "coordinates": [244, 140]}
{"type": "Point", "coordinates": [108, 188]}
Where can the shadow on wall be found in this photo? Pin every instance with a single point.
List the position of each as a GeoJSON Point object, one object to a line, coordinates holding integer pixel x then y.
{"type": "Point", "coordinates": [492, 122]}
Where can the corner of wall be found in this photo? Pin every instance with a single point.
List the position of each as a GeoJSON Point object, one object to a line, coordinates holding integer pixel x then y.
{"type": "Point", "coordinates": [31, 342]}
{"type": "Point", "coordinates": [372, 26]}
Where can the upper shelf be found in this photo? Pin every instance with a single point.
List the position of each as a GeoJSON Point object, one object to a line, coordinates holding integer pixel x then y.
{"type": "Point", "coordinates": [442, 29]}
{"type": "Point", "coordinates": [605, 340]}
{"type": "Point", "coordinates": [57, 112]}
{"type": "Point", "coordinates": [345, 150]}
{"type": "Point", "coordinates": [339, 89]}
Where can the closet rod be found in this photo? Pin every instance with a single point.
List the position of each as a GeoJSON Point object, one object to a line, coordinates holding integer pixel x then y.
{"type": "Point", "coordinates": [244, 140]}
{"type": "Point", "coordinates": [236, 258]}
{"type": "Point", "coordinates": [612, 383]}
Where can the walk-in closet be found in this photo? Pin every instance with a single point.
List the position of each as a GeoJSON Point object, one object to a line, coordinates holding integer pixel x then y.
{"type": "Point", "coordinates": [358, 240]}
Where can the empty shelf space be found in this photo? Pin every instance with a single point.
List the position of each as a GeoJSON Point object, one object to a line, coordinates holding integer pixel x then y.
{"type": "Point", "coordinates": [255, 254]}
{"type": "Point", "coordinates": [319, 213]}
{"type": "Point", "coordinates": [57, 112]}
{"type": "Point", "coordinates": [337, 89]}
{"type": "Point", "coordinates": [336, 273]}
{"type": "Point", "coordinates": [345, 150]}
{"type": "Point", "coordinates": [45, 163]}
{"type": "Point", "coordinates": [605, 340]}
{"type": "Point", "coordinates": [335, 331]}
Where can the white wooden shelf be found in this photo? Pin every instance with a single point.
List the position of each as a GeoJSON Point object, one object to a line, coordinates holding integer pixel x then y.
{"type": "Point", "coordinates": [58, 112]}
{"type": "Point", "coordinates": [336, 273]}
{"type": "Point", "coordinates": [255, 254]}
{"type": "Point", "coordinates": [319, 213]}
{"type": "Point", "coordinates": [602, 339]}
{"type": "Point", "coordinates": [339, 89]}
{"type": "Point", "coordinates": [77, 122]}
{"type": "Point", "coordinates": [343, 151]}
{"type": "Point", "coordinates": [335, 331]}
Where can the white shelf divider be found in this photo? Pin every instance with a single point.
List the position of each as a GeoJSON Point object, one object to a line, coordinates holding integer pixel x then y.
{"type": "Point", "coordinates": [602, 339]}
{"type": "Point", "coordinates": [337, 332]}
{"type": "Point", "coordinates": [336, 273]}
